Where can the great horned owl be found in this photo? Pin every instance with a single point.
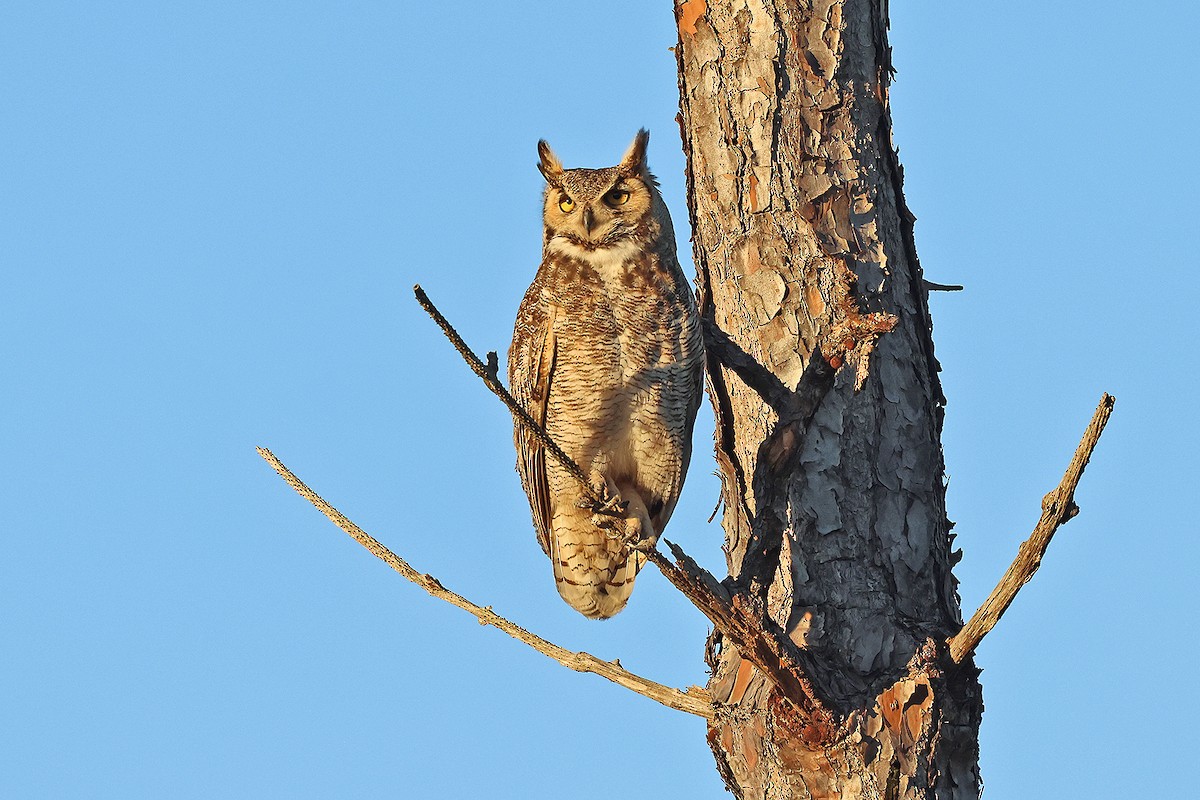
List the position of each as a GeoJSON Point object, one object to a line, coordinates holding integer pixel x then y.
{"type": "Point", "coordinates": [607, 356]}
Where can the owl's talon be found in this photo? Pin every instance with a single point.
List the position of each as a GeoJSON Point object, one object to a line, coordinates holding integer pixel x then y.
{"type": "Point", "coordinates": [637, 538]}
{"type": "Point", "coordinates": [643, 544]}
{"type": "Point", "coordinates": [614, 506]}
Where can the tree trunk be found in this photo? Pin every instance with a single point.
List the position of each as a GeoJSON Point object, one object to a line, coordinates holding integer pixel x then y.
{"type": "Point", "coordinates": [835, 522]}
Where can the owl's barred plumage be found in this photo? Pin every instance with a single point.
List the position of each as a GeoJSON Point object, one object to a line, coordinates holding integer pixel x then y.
{"type": "Point", "coordinates": [607, 355]}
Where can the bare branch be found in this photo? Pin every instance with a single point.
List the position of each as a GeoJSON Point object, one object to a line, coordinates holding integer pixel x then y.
{"type": "Point", "coordinates": [1057, 508]}
{"type": "Point", "coordinates": [694, 701]}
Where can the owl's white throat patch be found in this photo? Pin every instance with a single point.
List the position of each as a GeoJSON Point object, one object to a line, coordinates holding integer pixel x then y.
{"type": "Point", "coordinates": [608, 261]}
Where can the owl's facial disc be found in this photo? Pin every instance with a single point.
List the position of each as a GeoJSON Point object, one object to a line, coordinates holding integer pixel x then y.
{"type": "Point", "coordinates": [597, 209]}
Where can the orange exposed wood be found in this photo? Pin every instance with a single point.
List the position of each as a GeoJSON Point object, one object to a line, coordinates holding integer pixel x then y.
{"type": "Point", "coordinates": [745, 670]}
{"type": "Point", "coordinates": [689, 13]}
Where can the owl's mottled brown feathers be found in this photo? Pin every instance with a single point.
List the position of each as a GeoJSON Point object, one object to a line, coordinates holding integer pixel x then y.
{"type": "Point", "coordinates": [607, 355]}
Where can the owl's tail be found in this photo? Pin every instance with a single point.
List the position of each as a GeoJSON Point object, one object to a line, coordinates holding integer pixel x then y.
{"type": "Point", "coordinates": [593, 569]}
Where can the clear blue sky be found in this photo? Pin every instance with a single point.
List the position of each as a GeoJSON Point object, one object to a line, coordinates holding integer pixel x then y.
{"type": "Point", "coordinates": [211, 219]}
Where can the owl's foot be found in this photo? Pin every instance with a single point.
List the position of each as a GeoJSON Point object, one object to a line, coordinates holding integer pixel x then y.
{"type": "Point", "coordinates": [610, 509]}
{"type": "Point", "coordinates": [609, 514]}
{"type": "Point", "coordinates": [638, 534]}
{"type": "Point", "coordinates": [612, 506]}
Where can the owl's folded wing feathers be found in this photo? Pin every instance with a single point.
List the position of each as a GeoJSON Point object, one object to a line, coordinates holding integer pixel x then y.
{"type": "Point", "coordinates": [530, 370]}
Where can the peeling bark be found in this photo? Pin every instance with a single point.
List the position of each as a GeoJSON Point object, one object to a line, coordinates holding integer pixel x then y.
{"type": "Point", "coordinates": [835, 523]}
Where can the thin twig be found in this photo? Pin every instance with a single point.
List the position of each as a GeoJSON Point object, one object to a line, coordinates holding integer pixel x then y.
{"type": "Point", "coordinates": [694, 701]}
{"type": "Point", "coordinates": [1057, 507]}
{"type": "Point", "coordinates": [492, 381]}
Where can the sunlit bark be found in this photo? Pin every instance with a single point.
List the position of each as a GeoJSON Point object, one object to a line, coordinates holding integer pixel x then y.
{"type": "Point", "coordinates": [835, 525]}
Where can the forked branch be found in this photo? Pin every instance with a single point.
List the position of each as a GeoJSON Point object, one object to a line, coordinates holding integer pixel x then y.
{"type": "Point", "coordinates": [693, 701]}
{"type": "Point", "coordinates": [1057, 507]}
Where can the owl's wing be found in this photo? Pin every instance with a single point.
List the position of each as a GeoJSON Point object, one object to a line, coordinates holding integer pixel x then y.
{"type": "Point", "coordinates": [661, 503]}
{"type": "Point", "coordinates": [530, 370]}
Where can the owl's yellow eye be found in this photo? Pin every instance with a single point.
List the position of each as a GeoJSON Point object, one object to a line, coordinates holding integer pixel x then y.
{"type": "Point", "coordinates": [566, 204]}
{"type": "Point", "coordinates": [617, 197]}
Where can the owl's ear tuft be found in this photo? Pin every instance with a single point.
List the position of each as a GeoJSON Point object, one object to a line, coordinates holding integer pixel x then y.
{"type": "Point", "coordinates": [634, 161]}
{"type": "Point", "coordinates": [548, 164]}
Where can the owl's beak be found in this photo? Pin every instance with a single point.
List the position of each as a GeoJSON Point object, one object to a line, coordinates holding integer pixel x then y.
{"type": "Point", "coordinates": [589, 219]}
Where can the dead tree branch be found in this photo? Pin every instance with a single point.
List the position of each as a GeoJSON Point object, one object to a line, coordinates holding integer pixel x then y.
{"type": "Point", "coordinates": [694, 701]}
{"type": "Point", "coordinates": [743, 621]}
{"type": "Point", "coordinates": [1058, 507]}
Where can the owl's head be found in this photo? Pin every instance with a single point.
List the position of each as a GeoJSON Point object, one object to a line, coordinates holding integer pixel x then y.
{"type": "Point", "coordinates": [593, 209]}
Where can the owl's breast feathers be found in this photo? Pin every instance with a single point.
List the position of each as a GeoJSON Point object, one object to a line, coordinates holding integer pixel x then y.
{"type": "Point", "coordinates": [607, 355]}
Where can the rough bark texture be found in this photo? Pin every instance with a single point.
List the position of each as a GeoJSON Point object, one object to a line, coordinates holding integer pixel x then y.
{"type": "Point", "coordinates": [835, 520]}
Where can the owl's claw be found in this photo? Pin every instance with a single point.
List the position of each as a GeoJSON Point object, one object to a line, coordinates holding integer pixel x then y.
{"type": "Point", "coordinates": [633, 534]}
{"type": "Point", "coordinates": [643, 544]}
{"type": "Point", "coordinates": [607, 514]}
{"type": "Point", "coordinates": [613, 506]}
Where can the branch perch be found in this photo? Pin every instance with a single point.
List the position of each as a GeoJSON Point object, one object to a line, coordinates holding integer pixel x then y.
{"type": "Point", "coordinates": [741, 619]}
{"type": "Point", "coordinates": [1058, 507]}
{"type": "Point", "coordinates": [694, 701]}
